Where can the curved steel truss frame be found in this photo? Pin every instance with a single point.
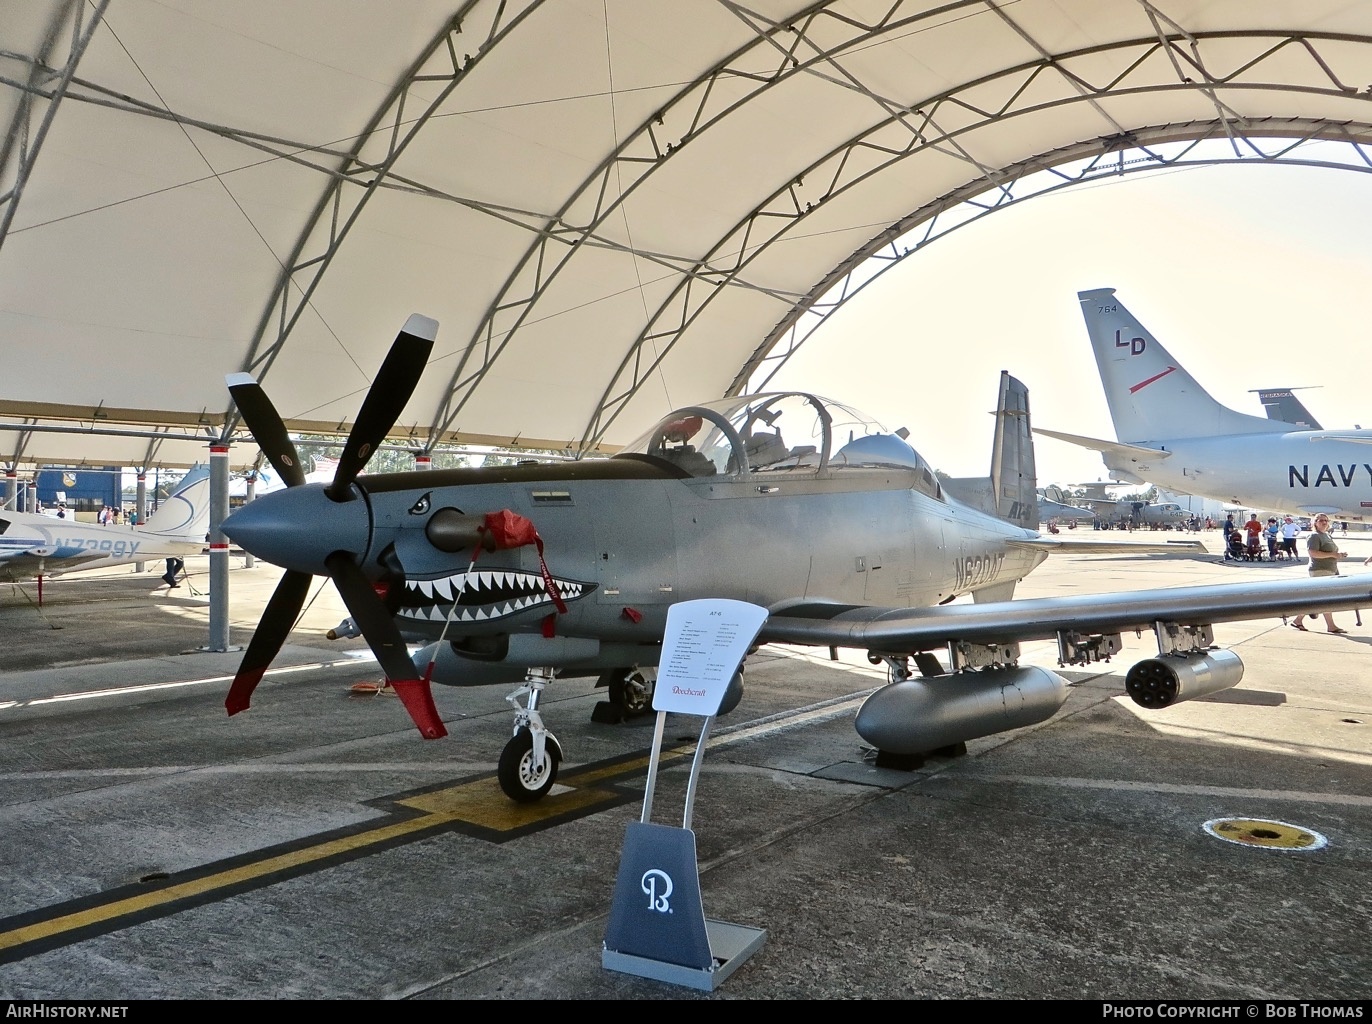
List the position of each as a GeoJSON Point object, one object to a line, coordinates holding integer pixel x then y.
{"type": "Point", "coordinates": [1221, 67]}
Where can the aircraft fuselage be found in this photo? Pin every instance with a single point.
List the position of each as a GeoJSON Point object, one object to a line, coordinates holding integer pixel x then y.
{"type": "Point", "coordinates": [623, 542]}
{"type": "Point", "coordinates": [1288, 472]}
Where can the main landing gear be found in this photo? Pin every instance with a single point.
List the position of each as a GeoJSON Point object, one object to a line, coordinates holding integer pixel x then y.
{"type": "Point", "coordinates": [631, 689]}
{"type": "Point", "coordinates": [631, 693]}
{"type": "Point", "coordinates": [528, 764]}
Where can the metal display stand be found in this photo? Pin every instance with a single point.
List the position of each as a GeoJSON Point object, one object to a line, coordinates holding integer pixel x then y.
{"type": "Point", "coordinates": [657, 927]}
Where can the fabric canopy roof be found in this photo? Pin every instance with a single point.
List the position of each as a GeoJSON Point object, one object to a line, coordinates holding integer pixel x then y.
{"type": "Point", "coordinates": [612, 207]}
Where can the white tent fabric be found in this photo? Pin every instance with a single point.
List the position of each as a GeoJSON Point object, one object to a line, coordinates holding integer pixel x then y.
{"type": "Point", "coordinates": [612, 207]}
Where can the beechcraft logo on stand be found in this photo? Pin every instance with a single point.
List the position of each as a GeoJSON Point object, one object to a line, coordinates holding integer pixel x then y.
{"type": "Point", "coordinates": [657, 886]}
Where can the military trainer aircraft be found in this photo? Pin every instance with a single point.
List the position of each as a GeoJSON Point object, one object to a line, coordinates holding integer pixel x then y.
{"type": "Point", "coordinates": [35, 545]}
{"type": "Point", "coordinates": [1172, 433]}
{"type": "Point", "coordinates": [518, 574]}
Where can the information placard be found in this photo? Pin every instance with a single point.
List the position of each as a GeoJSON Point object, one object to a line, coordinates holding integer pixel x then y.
{"type": "Point", "coordinates": [703, 646]}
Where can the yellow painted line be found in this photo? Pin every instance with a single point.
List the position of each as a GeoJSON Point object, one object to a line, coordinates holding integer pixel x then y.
{"type": "Point", "coordinates": [477, 803]}
{"type": "Point", "coordinates": [484, 804]}
{"type": "Point", "coordinates": [199, 886]}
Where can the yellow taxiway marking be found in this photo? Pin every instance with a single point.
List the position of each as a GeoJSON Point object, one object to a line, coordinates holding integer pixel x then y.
{"type": "Point", "coordinates": [475, 803]}
{"type": "Point", "coordinates": [199, 886]}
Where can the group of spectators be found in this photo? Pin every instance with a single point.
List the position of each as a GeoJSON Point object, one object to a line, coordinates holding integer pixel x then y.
{"type": "Point", "coordinates": [1246, 542]}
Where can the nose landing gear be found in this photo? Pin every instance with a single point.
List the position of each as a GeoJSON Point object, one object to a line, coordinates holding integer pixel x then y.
{"type": "Point", "coordinates": [528, 765]}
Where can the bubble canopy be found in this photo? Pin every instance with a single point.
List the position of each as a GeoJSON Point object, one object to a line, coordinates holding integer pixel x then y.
{"type": "Point", "coordinates": [777, 432]}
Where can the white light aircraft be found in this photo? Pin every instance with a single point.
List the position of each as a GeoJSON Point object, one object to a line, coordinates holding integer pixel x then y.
{"type": "Point", "coordinates": [34, 545]}
{"type": "Point", "coordinates": [1170, 432]}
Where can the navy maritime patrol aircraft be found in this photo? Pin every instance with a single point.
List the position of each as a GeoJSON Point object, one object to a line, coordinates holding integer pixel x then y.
{"type": "Point", "coordinates": [33, 545]}
{"type": "Point", "coordinates": [518, 574]}
{"type": "Point", "coordinates": [1172, 433]}
{"type": "Point", "coordinates": [1142, 513]}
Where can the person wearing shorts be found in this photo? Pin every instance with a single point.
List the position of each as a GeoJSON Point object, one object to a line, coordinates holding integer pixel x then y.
{"type": "Point", "coordinates": [1289, 529]}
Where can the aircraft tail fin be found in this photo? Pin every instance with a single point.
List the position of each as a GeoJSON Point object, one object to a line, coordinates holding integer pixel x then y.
{"type": "Point", "coordinates": [1010, 492]}
{"type": "Point", "coordinates": [1013, 473]}
{"type": "Point", "coordinates": [1151, 396]}
{"type": "Point", "coordinates": [185, 515]}
{"type": "Point", "coordinates": [1283, 405]}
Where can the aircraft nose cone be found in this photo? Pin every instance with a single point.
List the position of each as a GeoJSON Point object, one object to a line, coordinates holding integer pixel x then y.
{"type": "Point", "coordinates": [299, 527]}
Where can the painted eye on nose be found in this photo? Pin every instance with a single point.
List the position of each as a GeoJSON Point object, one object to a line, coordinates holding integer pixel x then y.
{"type": "Point", "coordinates": [421, 506]}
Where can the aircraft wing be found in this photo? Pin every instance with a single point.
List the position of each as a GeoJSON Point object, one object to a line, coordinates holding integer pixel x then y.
{"type": "Point", "coordinates": [1091, 546]}
{"type": "Point", "coordinates": [906, 630]}
{"type": "Point", "coordinates": [1356, 436]}
{"type": "Point", "coordinates": [1128, 451]}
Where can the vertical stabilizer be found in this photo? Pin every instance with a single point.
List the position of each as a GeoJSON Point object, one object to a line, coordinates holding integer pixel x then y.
{"type": "Point", "coordinates": [186, 514]}
{"type": "Point", "coordinates": [1150, 395]}
{"type": "Point", "coordinates": [1283, 405]}
{"type": "Point", "coordinates": [1010, 492]}
{"type": "Point", "coordinates": [1012, 457]}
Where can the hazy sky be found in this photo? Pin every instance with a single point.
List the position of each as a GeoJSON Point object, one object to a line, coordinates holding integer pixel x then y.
{"type": "Point", "coordinates": [1251, 276]}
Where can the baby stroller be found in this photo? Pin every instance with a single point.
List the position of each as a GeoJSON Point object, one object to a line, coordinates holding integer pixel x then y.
{"type": "Point", "coordinates": [1253, 552]}
{"type": "Point", "coordinates": [1235, 550]}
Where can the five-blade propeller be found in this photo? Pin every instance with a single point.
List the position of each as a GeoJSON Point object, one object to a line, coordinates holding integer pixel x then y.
{"type": "Point", "coordinates": [390, 392]}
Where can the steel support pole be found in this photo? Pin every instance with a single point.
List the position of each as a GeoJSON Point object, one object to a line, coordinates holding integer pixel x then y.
{"type": "Point", "coordinates": [249, 561]}
{"type": "Point", "coordinates": [140, 505]}
{"type": "Point", "coordinates": [219, 548]}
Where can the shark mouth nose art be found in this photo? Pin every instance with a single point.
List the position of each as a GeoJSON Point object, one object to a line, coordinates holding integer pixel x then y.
{"type": "Point", "coordinates": [483, 595]}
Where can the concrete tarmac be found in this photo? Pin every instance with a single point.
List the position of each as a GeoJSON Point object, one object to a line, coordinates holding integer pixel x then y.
{"type": "Point", "coordinates": [315, 847]}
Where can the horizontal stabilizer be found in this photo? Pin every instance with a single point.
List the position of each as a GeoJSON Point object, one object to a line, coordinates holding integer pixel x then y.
{"type": "Point", "coordinates": [1128, 451]}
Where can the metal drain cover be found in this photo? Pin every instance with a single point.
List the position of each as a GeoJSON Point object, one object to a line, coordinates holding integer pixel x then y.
{"type": "Point", "coordinates": [1269, 835]}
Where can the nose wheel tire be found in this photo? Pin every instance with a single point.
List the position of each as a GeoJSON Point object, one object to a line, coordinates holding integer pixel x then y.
{"type": "Point", "coordinates": [520, 778]}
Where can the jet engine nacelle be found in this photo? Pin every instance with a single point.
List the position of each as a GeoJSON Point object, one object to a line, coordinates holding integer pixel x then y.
{"type": "Point", "coordinates": [1173, 678]}
{"type": "Point", "coordinates": [918, 715]}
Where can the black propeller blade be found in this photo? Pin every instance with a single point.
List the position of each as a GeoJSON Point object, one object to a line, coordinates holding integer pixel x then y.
{"type": "Point", "coordinates": [390, 392]}
{"type": "Point", "coordinates": [277, 620]}
{"type": "Point", "coordinates": [266, 427]}
{"type": "Point", "coordinates": [386, 400]}
{"type": "Point", "coordinates": [383, 637]}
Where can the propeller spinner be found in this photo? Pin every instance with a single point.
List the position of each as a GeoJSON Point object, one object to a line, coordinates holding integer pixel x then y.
{"type": "Point", "coordinates": [285, 528]}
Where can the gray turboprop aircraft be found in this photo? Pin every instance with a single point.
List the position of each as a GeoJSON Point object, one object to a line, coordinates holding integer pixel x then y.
{"type": "Point", "coordinates": [516, 574]}
{"type": "Point", "coordinates": [1172, 433]}
{"type": "Point", "coordinates": [1142, 513]}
